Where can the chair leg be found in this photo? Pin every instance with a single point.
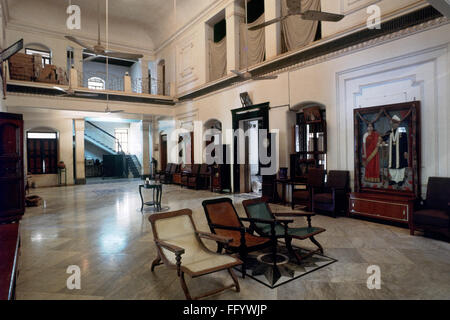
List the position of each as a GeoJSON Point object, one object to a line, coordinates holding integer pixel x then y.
{"type": "Point", "coordinates": [235, 280]}
{"type": "Point", "coordinates": [291, 250]}
{"type": "Point", "coordinates": [184, 286]}
{"type": "Point", "coordinates": [156, 262]}
{"type": "Point", "coordinates": [243, 256]}
{"type": "Point", "coordinates": [313, 240]}
{"type": "Point", "coordinates": [219, 247]}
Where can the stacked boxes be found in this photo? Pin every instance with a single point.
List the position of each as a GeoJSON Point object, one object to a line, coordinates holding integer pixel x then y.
{"type": "Point", "coordinates": [21, 67]}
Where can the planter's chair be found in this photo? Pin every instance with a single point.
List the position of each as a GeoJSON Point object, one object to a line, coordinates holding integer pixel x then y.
{"type": "Point", "coordinates": [259, 209]}
{"type": "Point", "coordinates": [223, 220]}
{"type": "Point", "coordinates": [316, 179]}
{"type": "Point", "coordinates": [333, 197]}
{"type": "Point", "coordinates": [180, 247]}
{"type": "Point", "coordinates": [433, 214]}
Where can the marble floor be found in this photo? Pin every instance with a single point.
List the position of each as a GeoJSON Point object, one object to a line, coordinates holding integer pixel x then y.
{"type": "Point", "coordinates": [100, 229]}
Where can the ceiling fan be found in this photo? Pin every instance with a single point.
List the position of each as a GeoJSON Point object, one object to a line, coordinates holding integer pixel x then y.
{"type": "Point", "coordinates": [99, 49]}
{"type": "Point", "coordinates": [247, 75]}
{"type": "Point", "coordinates": [295, 9]}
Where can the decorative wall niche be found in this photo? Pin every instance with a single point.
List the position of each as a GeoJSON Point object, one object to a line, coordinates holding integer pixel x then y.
{"type": "Point", "coordinates": [186, 73]}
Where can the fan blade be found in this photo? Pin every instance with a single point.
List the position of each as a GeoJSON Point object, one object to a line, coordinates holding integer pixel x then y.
{"type": "Point", "coordinates": [322, 16]}
{"type": "Point", "coordinates": [79, 94]}
{"type": "Point", "coordinates": [116, 111]}
{"type": "Point", "coordinates": [60, 89]}
{"type": "Point", "coordinates": [123, 55]}
{"type": "Point", "coordinates": [93, 57]}
{"type": "Point", "coordinates": [267, 23]}
{"type": "Point", "coordinates": [237, 73]}
{"type": "Point", "coordinates": [80, 43]}
{"type": "Point", "coordinates": [265, 78]}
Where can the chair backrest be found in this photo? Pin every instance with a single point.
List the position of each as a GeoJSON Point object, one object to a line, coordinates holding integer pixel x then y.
{"type": "Point", "coordinates": [438, 193]}
{"type": "Point", "coordinates": [259, 209]}
{"type": "Point", "coordinates": [195, 168]}
{"type": "Point", "coordinates": [221, 212]}
{"type": "Point", "coordinates": [187, 168]}
{"type": "Point", "coordinates": [175, 228]}
{"type": "Point", "coordinates": [338, 179]}
{"type": "Point", "coordinates": [316, 177]}
{"type": "Point", "coordinates": [173, 168]}
{"type": "Point", "coordinates": [168, 168]}
{"type": "Point", "coordinates": [204, 169]}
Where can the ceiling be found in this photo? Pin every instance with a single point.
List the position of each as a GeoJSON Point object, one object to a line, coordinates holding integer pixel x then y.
{"type": "Point", "coordinates": [138, 24]}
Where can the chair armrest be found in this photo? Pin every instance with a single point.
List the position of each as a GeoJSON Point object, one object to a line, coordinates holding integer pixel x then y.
{"type": "Point", "coordinates": [294, 214]}
{"type": "Point", "coordinates": [218, 226]}
{"type": "Point", "coordinates": [175, 249]}
{"type": "Point", "coordinates": [214, 237]}
{"type": "Point", "coordinates": [258, 220]}
{"type": "Point", "coordinates": [284, 220]}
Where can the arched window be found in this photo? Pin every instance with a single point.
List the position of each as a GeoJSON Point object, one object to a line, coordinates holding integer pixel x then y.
{"type": "Point", "coordinates": [96, 83]}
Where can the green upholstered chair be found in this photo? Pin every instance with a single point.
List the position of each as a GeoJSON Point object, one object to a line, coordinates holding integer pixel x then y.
{"type": "Point", "coordinates": [258, 209]}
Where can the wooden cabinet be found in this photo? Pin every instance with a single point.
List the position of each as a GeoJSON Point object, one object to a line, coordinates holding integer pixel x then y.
{"type": "Point", "coordinates": [221, 178]}
{"type": "Point", "coordinates": [9, 254]}
{"type": "Point", "coordinates": [12, 190]}
{"type": "Point", "coordinates": [382, 206]}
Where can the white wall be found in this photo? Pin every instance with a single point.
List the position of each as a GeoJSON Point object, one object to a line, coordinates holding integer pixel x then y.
{"type": "Point", "coordinates": [377, 74]}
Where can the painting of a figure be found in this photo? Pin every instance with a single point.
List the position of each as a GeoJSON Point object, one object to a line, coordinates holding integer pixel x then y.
{"type": "Point", "coordinates": [371, 156]}
{"type": "Point", "coordinates": [386, 146]}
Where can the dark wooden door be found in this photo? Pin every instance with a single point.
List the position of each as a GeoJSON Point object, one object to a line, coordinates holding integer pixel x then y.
{"type": "Point", "coordinates": [163, 151]}
{"type": "Point", "coordinates": [12, 190]}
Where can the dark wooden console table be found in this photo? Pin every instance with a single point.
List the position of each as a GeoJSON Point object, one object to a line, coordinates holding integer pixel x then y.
{"type": "Point", "coordinates": [9, 253]}
{"type": "Point", "coordinates": [157, 195]}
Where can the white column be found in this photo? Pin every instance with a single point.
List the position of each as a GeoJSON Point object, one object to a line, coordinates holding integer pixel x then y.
{"type": "Point", "coordinates": [155, 140]}
{"type": "Point", "coordinates": [144, 72]}
{"type": "Point", "coordinates": [235, 15]}
{"type": "Point", "coordinates": [145, 147]}
{"type": "Point", "coordinates": [80, 174]}
{"type": "Point", "coordinates": [78, 64]}
{"type": "Point", "coordinates": [273, 32]}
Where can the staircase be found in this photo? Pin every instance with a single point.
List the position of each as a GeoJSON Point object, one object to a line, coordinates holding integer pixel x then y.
{"type": "Point", "coordinates": [107, 142]}
{"type": "Point", "coordinates": [133, 165]}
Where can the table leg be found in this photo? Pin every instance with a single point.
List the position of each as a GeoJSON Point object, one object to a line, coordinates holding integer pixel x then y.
{"type": "Point", "coordinates": [142, 199]}
{"type": "Point", "coordinates": [159, 199]}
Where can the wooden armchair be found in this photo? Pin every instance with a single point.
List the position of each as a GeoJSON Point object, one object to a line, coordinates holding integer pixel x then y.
{"type": "Point", "coordinates": [223, 220]}
{"type": "Point", "coordinates": [179, 247]}
{"type": "Point", "coordinates": [188, 174]}
{"type": "Point", "coordinates": [167, 178]}
{"type": "Point", "coordinates": [315, 179]}
{"type": "Point", "coordinates": [176, 178]}
{"type": "Point", "coordinates": [201, 179]}
{"type": "Point", "coordinates": [333, 197]}
{"type": "Point", "coordinates": [259, 210]}
{"type": "Point", "coordinates": [185, 174]}
{"type": "Point", "coordinates": [433, 214]}
{"type": "Point", "coordinates": [160, 174]}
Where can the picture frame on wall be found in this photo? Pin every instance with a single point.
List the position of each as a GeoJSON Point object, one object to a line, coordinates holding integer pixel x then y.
{"type": "Point", "coordinates": [245, 100]}
{"type": "Point", "coordinates": [312, 115]}
{"type": "Point", "coordinates": [387, 149]}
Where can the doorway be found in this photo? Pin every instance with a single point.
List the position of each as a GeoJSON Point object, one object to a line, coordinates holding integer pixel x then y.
{"type": "Point", "coordinates": [250, 178]}
{"type": "Point", "coordinates": [250, 120]}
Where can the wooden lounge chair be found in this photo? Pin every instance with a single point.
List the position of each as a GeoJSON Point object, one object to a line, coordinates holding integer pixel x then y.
{"type": "Point", "coordinates": [223, 220]}
{"type": "Point", "coordinates": [259, 209]}
{"type": "Point", "coordinates": [180, 247]}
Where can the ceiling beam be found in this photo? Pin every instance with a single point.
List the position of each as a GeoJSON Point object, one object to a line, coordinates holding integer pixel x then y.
{"type": "Point", "coordinates": [443, 6]}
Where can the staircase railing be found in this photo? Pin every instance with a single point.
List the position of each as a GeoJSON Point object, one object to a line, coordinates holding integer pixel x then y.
{"type": "Point", "coordinates": [103, 137]}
